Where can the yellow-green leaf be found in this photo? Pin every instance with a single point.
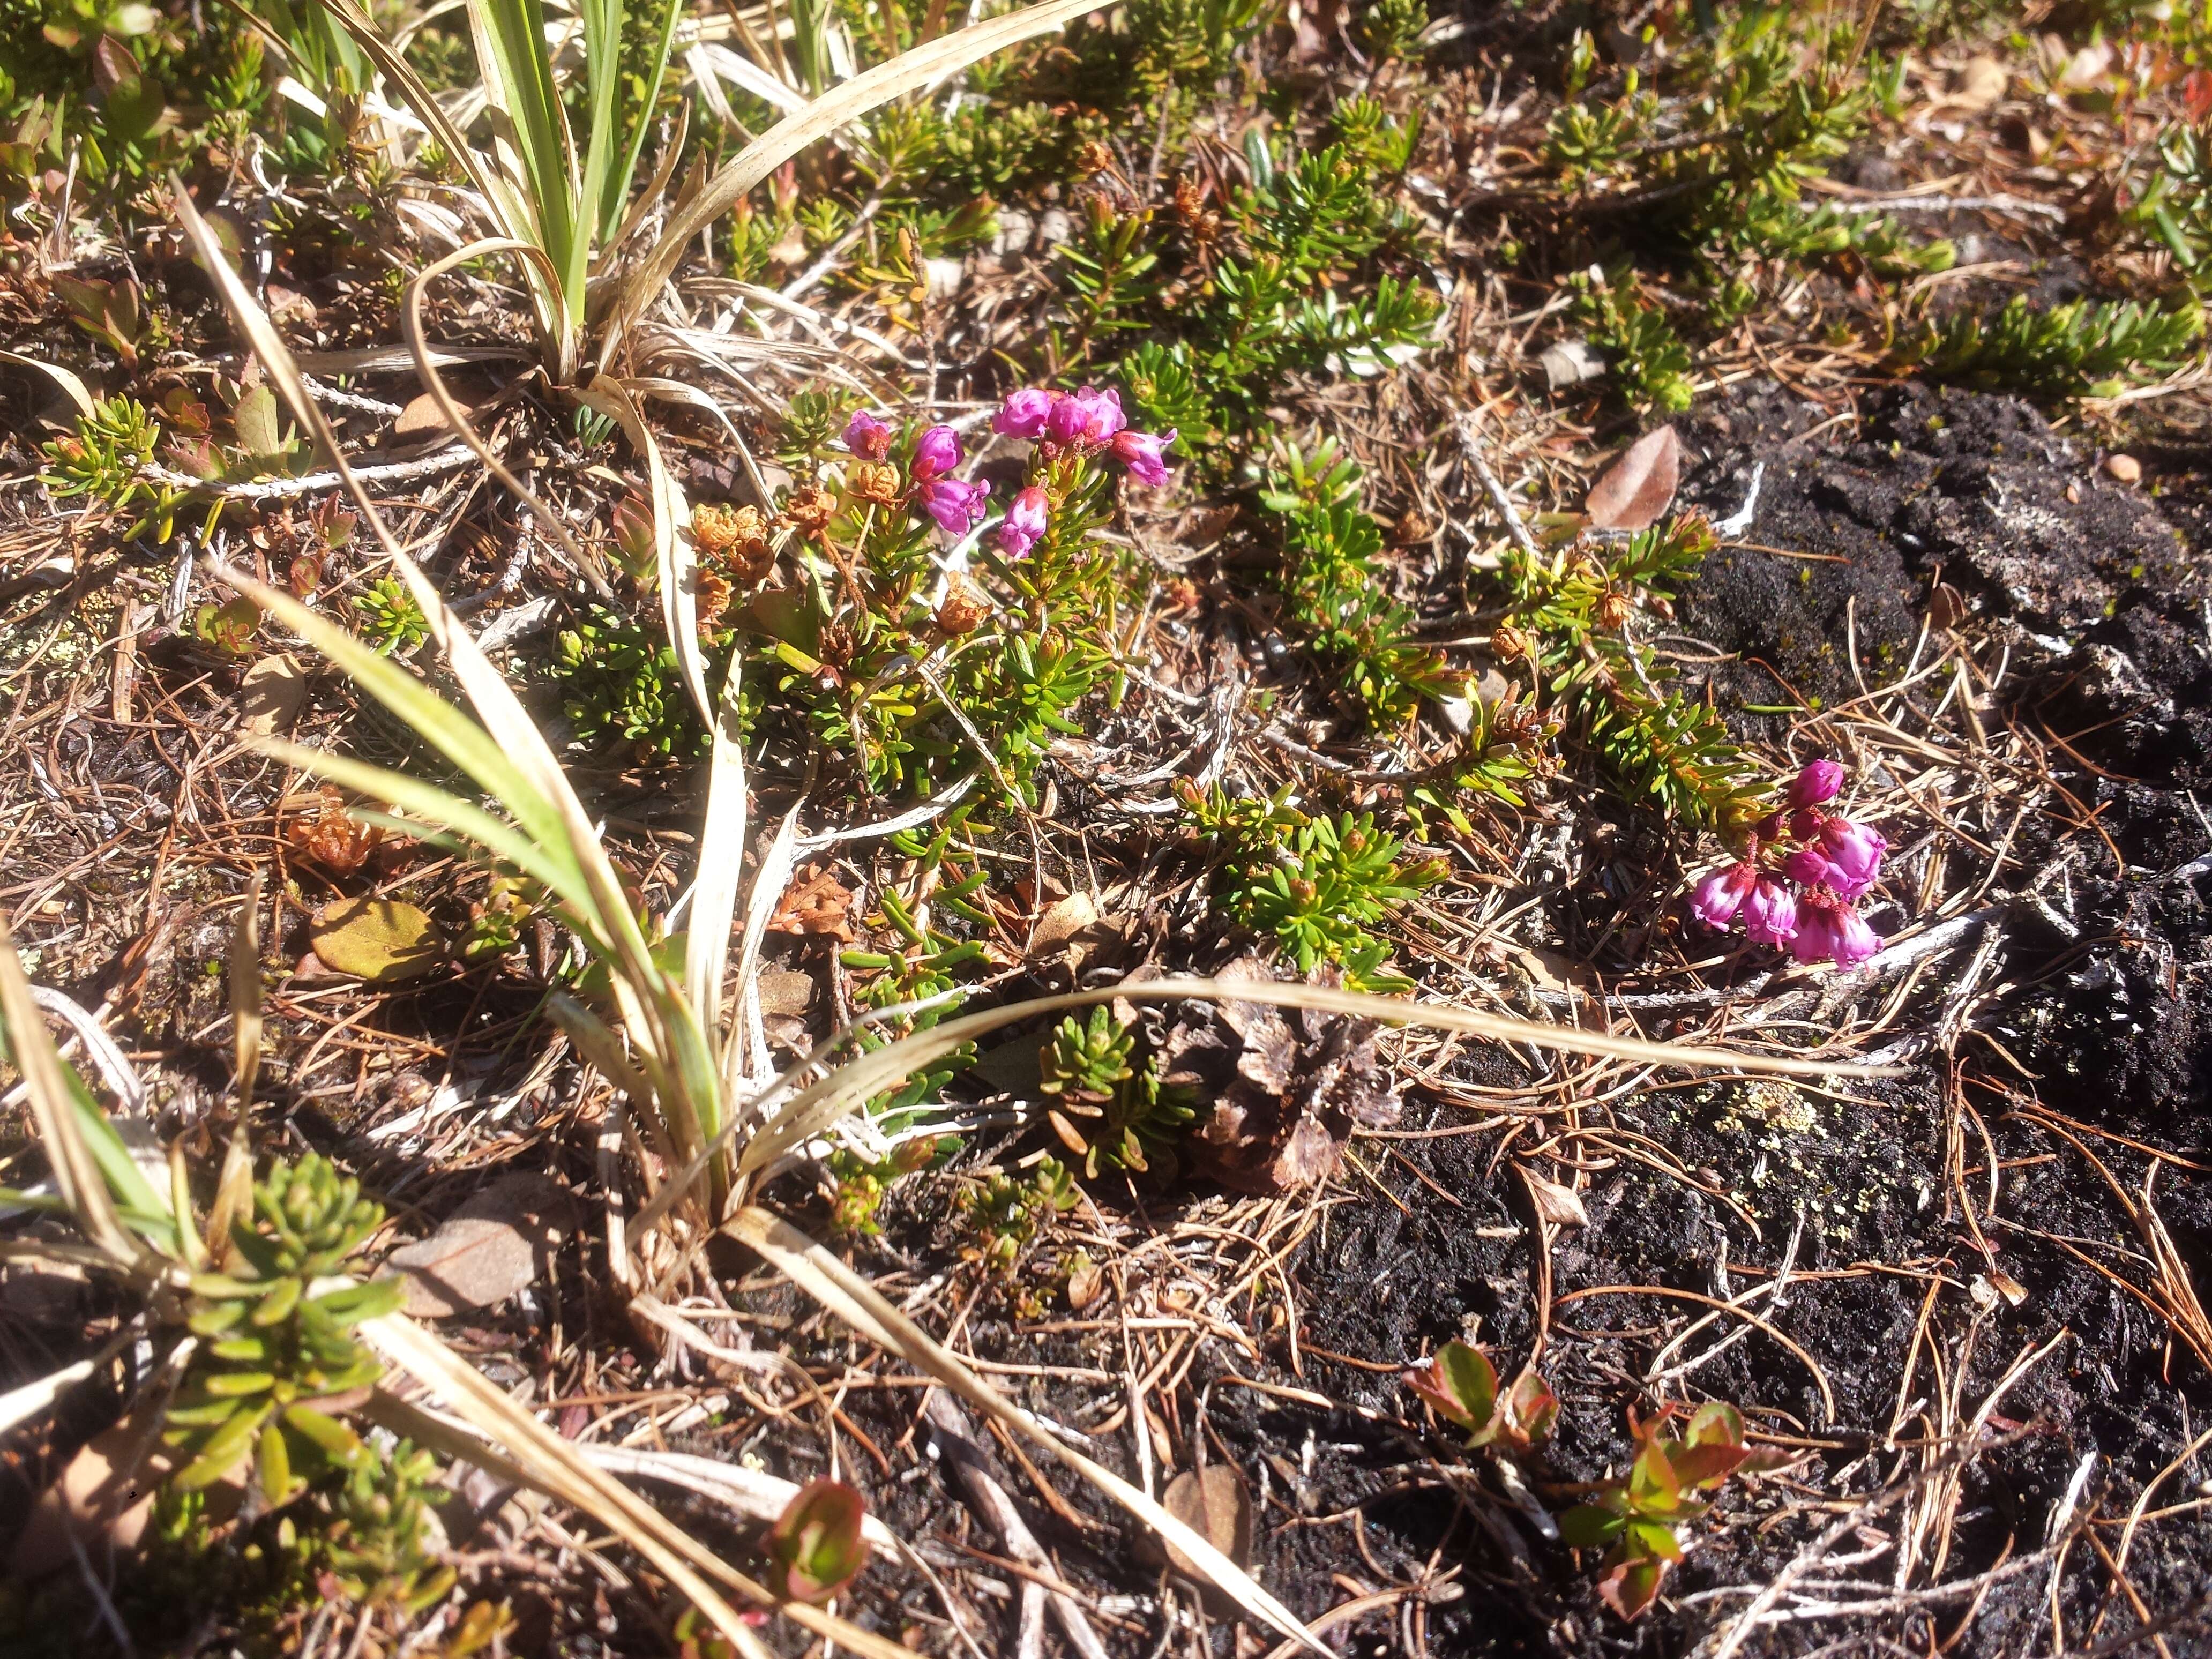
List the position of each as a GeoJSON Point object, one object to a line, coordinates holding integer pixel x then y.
{"type": "Point", "coordinates": [384, 941]}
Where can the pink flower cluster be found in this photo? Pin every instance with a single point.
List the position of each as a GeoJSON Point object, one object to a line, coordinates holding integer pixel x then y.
{"type": "Point", "coordinates": [1060, 423]}
{"type": "Point", "coordinates": [1804, 896]}
{"type": "Point", "coordinates": [956, 507]}
{"type": "Point", "coordinates": [1081, 423]}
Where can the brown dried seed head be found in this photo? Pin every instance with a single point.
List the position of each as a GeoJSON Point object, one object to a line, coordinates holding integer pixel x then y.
{"type": "Point", "coordinates": [963, 608]}
{"type": "Point", "coordinates": [1095, 157]}
{"type": "Point", "coordinates": [1611, 611]}
{"type": "Point", "coordinates": [734, 537]}
{"type": "Point", "coordinates": [716, 593]}
{"type": "Point", "coordinates": [1509, 643]}
{"type": "Point", "coordinates": [810, 507]}
{"type": "Point", "coordinates": [873, 481]}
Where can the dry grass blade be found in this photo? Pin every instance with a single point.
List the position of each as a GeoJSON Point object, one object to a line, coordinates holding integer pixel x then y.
{"type": "Point", "coordinates": [543, 1460]}
{"type": "Point", "coordinates": [853, 1300]}
{"type": "Point", "coordinates": [679, 595]}
{"type": "Point", "coordinates": [538, 789]}
{"type": "Point", "coordinates": [816, 1108]}
{"type": "Point", "coordinates": [53, 1108]}
{"type": "Point", "coordinates": [788, 137]}
{"type": "Point", "coordinates": [721, 865]}
{"type": "Point", "coordinates": [245, 993]}
{"type": "Point", "coordinates": [457, 419]}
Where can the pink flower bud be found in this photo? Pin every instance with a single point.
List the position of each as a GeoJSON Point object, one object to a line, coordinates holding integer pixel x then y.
{"type": "Point", "coordinates": [1770, 915]}
{"type": "Point", "coordinates": [1817, 784]}
{"type": "Point", "coordinates": [1141, 453]}
{"type": "Point", "coordinates": [1026, 521]}
{"type": "Point", "coordinates": [1716, 900]}
{"type": "Point", "coordinates": [936, 453]}
{"type": "Point", "coordinates": [866, 436]}
{"type": "Point", "coordinates": [956, 506]}
{"type": "Point", "coordinates": [1807, 867]}
{"type": "Point", "coordinates": [1025, 413]}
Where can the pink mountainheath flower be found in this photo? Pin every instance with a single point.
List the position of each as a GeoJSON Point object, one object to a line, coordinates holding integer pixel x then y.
{"type": "Point", "coordinates": [1833, 929]}
{"type": "Point", "coordinates": [1025, 413]}
{"type": "Point", "coordinates": [1770, 915]}
{"type": "Point", "coordinates": [936, 453]}
{"type": "Point", "coordinates": [1026, 521]}
{"type": "Point", "coordinates": [1716, 900]}
{"type": "Point", "coordinates": [1807, 867]}
{"type": "Point", "coordinates": [1854, 851]}
{"type": "Point", "coordinates": [1142, 453]}
{"type": "Point", "coordinates": [956, 507]}
{"type": "Point", "coordinates": [866, 436]}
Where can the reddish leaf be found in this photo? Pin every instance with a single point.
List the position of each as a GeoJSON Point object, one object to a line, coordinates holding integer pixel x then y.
{"type": "Point", "coordinates": [1533, 1408]}
{"type": "Point", "coordinates": [816, 1542]}
{"type": "Point", "coordinates": [1462, 1385]}
{"type": "Point", "coordinates": [1631, 1584]}
{"type": "Point", "coordinates": [1704, 1466]}
{"type": "Point", "coordinates": [1715, 1424]}
{"type": "Point", "coordinates": [2197, 93]}
{"type": "Point", "coordinates": [1639, 486]}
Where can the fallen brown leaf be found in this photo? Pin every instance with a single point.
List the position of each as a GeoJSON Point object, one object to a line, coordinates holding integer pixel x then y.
{"type": "Point", "coordinates": [271, 694]}
{"type": "Point", "coordinates": [1639, 486]}
{"type": "Point", "coordinates": [1212, 1502]}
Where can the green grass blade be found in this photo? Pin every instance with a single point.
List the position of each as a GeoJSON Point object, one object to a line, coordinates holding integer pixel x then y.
{"type": "Point", "coordinates": [856, 97]}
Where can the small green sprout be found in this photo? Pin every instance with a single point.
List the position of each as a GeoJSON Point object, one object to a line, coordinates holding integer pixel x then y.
{"type": "Point", "coordinates": [1110, 1113]}
{"type": "Point", "coordinates": [1006, 1213]}
{"type": "Point", "coordinates": [227, 629]}
{"type": "Point", "coordinates": [275, 1360]}
{"type": "Point", "coordinates": [816, 1543]}
{"type": "Point", "coordinates": [391, 620]}
{"type": "Point", "coordinates": [1638, 1518]}
{"type": "Point", "coordinates": [1462, 1385]}
{"type": "Point", "coordinates": [105, 462]}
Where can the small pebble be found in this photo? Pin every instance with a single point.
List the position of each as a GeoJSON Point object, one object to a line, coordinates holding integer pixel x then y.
{"type": "Point", "coordinates": [2125, 468]}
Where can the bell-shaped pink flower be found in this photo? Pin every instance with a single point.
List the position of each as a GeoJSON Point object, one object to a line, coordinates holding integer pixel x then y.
{"type": "Point", "coordinates": [1085, 419]}
{"type": "Point", "coordinates": [1102, 414]}
{"type": "Point", "coordinates": [1769, 913]}
{"type": "Point", "coordinates": [1832, 929]}
{"type": "Point", "coordinates": [936, 453]}
{"type": "Point", "coordinates": [1852, 940]}
{"type": "Point", "coordinates": [1716, 900]}
{"type": "Point", "coordinates": [1025, 413]}
{"type": "Point", "coordinates": [1817, 784]}
{"type": "Point", "coordinates": [1026, 520]}
{"type": "Point", "coordinates": [1141, 453]}
{"type": "Point", "coordinates": [1855, 853]}
{"type": "Point", "coordinates": [867, 437]}
{"type": "Point", "coordinates": [1816, 933]}
{"type": "Point", "coordinates": [956, 507]}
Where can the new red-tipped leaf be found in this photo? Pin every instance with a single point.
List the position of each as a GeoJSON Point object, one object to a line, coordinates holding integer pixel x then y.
{"type": "Point", "coordinates": [816, 1542]}
{"type": "Point", "coordinates": [1461, 1384]}
{"type": "Point", "coordinates": [1531, 1409]}
{"type": "Point", "coordinates": [1631, 1582]}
